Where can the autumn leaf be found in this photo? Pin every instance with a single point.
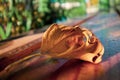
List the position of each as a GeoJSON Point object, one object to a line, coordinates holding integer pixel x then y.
{"type": "Point", "coordinates": [61, 41]}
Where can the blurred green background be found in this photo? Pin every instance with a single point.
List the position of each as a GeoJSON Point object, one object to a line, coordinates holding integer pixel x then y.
{"type": "Point", "coordinates": [20, 16]}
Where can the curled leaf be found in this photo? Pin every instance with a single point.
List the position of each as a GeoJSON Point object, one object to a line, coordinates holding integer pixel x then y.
{"type": "Point", "coordinates": [61, 41]}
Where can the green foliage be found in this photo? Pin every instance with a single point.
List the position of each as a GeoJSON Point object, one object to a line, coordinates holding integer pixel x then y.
{"type": "Point", "coordinates": [104, 5]}
{"type": "Point", "coordinates": [18, 16]}
{"type": "Point", "coordinates": [5, 33]}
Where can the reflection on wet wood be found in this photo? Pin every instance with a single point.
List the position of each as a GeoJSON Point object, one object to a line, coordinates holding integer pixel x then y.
{"type": "Point", "coordinates": [80, 70]}
{"type": "Point", "coordinates": [35, 69]}
{"type": "Point", "coordinates": [71, 70]}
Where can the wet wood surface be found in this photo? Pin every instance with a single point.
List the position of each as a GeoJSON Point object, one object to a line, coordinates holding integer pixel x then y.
{"type": "Point", "coordinates": [106, 27]}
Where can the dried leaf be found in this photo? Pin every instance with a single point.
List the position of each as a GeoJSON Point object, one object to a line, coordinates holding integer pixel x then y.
{"type": "Point", "coordinates": [61, 41]}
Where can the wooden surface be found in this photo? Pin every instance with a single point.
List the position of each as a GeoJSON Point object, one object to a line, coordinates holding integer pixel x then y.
{"type": "Point", "coordinates": [19, 42]}
{"type": "Point", "coordinates": [19, 49]}
{"type": "Point", "coordinates": [106, 27]}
